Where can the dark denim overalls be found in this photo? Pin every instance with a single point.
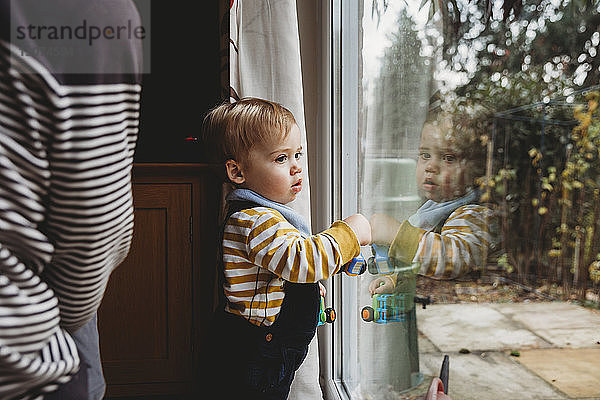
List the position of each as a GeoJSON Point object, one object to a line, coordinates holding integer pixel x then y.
{"type": "Point", "coordinates": [263, 360]}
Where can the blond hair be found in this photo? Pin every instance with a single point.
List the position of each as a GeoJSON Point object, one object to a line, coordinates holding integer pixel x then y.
{"type": "Point", "coordinates": [230, 130]}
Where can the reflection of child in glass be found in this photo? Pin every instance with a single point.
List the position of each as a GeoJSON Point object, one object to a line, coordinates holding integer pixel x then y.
{"type": "Point", "coordinates": [271, 262]}
{"type": "Point", "coordinates": [448, 235]}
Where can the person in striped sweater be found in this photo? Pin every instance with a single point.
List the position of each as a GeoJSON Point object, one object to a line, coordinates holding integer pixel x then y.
{"type": "Point", "coordinates": [271, 262]}
{"type": "Point", "coordinates": [451, 233]}
{"type": "Point", "coordinates": [68, 131]}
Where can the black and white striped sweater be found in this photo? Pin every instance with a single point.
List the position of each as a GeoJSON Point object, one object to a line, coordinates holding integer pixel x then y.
{"type": "Point", "coordinates": [66, 214]}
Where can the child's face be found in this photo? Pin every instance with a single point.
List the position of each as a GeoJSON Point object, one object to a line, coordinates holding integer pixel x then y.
{"type": "Point", "coordinates": [275, 171]}
{"type": "Point", "coordinates": [441, 173]}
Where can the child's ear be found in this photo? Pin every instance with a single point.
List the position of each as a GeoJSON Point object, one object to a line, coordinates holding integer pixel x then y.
{"type": "Point", "coordinates": [234, 172]}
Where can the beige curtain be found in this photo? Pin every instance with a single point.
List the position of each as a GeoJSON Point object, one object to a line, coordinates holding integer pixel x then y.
{"type": "Point", "coordinates": [265, 62]}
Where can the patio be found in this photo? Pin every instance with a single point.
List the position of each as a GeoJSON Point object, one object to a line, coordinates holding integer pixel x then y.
{"type": "Point", "coordinates": [555, 350]}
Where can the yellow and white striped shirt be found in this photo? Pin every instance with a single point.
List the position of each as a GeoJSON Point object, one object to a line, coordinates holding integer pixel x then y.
{"type": "Point", "coordinates": [464, 239]}
{"type": "Point", "coordinates": [261, 250]}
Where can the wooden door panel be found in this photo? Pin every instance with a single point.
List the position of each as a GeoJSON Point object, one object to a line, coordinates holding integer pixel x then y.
{"type": "Point", "coordinates": [145, 317]}
{"type": "Point", "coordinates": [137, 295]}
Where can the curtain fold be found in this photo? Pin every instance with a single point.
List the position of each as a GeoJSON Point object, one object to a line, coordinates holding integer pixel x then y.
{"type": "Point", "coordinates": [265, 62]}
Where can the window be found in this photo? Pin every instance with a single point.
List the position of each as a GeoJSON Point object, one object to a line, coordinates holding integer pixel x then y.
{"type": "Point", "coordinates": [504, 96]}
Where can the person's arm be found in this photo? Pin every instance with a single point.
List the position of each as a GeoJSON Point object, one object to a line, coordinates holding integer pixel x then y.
{"type": "Point", "coordinates": [384, 228]}
{"type": "Point", "coordinates": [66, 216]}
{"type": "Point", "coordinates": [36, 354]}
{"type": "Point", "coordinates": [453, 252]}
{"type": "Point", "coordinates": [274, 244]}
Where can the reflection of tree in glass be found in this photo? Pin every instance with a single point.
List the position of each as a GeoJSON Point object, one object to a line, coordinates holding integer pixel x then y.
{"type": "Point", "coordinates": [510, 58]}
{"type": "Point", "coordinates": [562, 37]}
{"type": "Point", "coordinates": [482, 38]}
{"type": "Point", "coordinates": [576, 243]}
{"type": "Point", "coordinates": [545, 52]}
{"type": "Point", "coordinates": [401, 91]}
{"type": "Point", "coordinates": [546, 177]}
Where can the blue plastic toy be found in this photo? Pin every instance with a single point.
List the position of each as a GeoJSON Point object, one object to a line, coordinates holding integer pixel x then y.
{"type": "Point", "coordinates": [387, 308]}
{"type": "Point", "coordinates": [357, 266]}
{"type": "Point", "coordinates": [380, 263]}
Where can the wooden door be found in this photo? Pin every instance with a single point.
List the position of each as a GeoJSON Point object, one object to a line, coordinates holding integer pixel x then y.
{"type": "Point", "coordinates": [145, 320]}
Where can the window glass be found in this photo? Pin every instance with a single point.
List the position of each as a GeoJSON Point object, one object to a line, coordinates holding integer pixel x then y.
{"type": "Point", "coordinates": [478, 138]}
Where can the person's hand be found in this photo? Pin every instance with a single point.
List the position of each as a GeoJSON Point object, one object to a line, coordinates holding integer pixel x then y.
{"type": "Point", "coordinates": [361, 227]}
{"type": "Point", "coordinates": [383, 228]}
{"type": "Point", "coordinates": [322, 290]}
{"type": "Point", "coordinates": [382, 285]}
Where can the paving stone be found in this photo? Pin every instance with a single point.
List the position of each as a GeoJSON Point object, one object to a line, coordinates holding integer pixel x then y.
{"type": "Point", "coordinates": [550, 314]}
{"type": "Point", "coordinates": [425, 345]}
{"type": "Point", "coordinates": [492, 376]}
{"type": "Point", "coordinates": [452, 327]}
{"type": "Point", "coordinates": [562, 324]}
{"type": "Point", "coordinates": [575, 372]}
{"type": "Point", "coordinates": [579, 338]}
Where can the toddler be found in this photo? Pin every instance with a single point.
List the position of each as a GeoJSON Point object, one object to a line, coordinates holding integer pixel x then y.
{"type": "Point", "coordinates": [270, 261]}
{"type": "Point", "coordinates": [449, 234]}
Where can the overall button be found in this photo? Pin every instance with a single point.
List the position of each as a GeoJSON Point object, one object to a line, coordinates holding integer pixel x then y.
{"type": "Point", "coordinates": [269, 337]}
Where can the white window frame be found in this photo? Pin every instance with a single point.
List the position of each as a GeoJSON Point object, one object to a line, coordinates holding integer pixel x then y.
{"type": "Point", "coordinates": [339, 144]}
{"type": "Point", "coordinates": [346, 60]}
{"type": "Point", "coordinates": [325, 177]}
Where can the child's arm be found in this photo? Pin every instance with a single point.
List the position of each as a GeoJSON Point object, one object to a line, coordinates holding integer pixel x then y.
{"type": "Point", "coordinates": [384, 228]}
{"type": "Point", "coordinates": [361, 227]}
{"type": "Point", "coordinates": [449, 254]}
{"type": "Point", "coordinates": [457, 249]}
{"type": "Point", "coordinates": [274, 244]}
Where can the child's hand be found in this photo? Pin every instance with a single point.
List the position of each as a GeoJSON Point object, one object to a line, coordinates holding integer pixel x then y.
{"type": "Point", "coordinates": [383, 228]}
{"type": "Point", "coordinates": [322, 290]}
{"type": "Point", "coordinates": [382, 285]}
{"type": "Point", "coordinates": [361, 227]}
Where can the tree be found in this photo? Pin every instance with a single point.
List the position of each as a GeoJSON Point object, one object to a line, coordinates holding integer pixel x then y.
{"type": "Point", "coordinates": [405, 75]}
{"type": "Point", "coordinates": [524, 74]}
